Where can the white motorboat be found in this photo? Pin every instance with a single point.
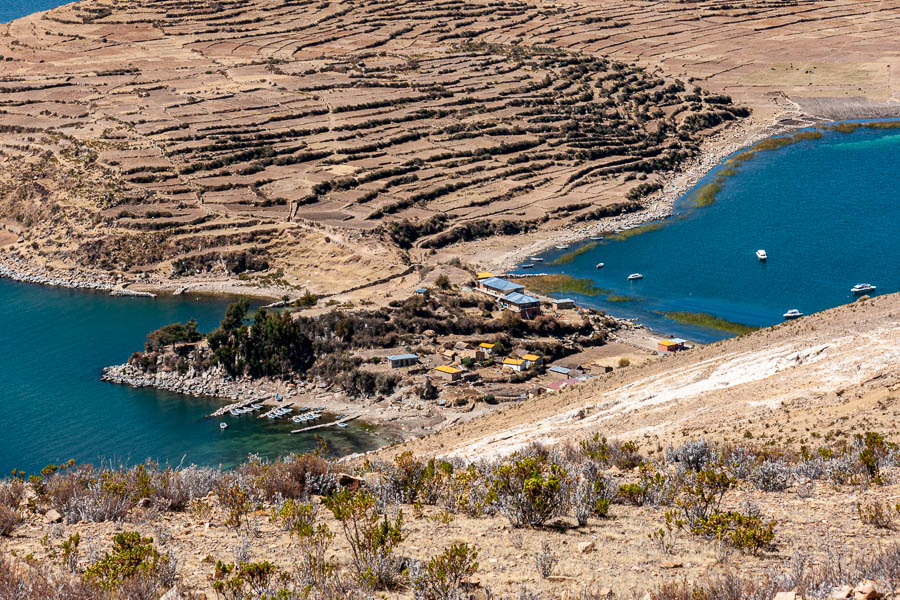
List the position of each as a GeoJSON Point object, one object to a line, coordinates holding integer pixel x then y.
{"type": "Point", "coordinates": [256, 406]}
{"type": "Point", "coordinates": [537, 259]}
{"type": "Point", "coordinates": [793, 314]}
{"type": "Point", "coordinates": [562, 247]}
{"type": "Point", "coordinates": [600, 265]}
{"type": "Point", "coordinates": [635, 277]}
{"type": "Point", "coordinates": [341, 425]}
{"type": "Point", "coordinates": [863, 288]}
{"type": "Point", "coordinates": [235, 412]}
{"type": "Point", "coordinates": [596, 238]}
{"type": "Point", "coordinates": [528, 266]}
{"type": "Point", "coordinates": [761, 255]}
{"type": "Point", "coordinates": [223, 425]}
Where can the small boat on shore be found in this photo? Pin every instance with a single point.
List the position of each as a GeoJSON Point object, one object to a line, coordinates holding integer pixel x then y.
{"type": "Point", "coordinates": [528, 266]}
{"type": "Point", "coordinates": [863, 288]}
{"type": "Point", "coordinates": [562, 247]}
{"type": "Point", "coordinates": [635, 277]}
{"type": "Point", "coordinates": [537, 259]}
{"type": "Point", "coordinates": [235, 412]}
{"type": "Point", "coordinates": [223, 426]}
{"type": "Point", "coordinates": [342, 425]}
{"type": "Point", "coordinates": [256, 406]}
{"type": "Point", "coordinates": [761, 255]}
{"type": "Point", "coordinates": [792, 314]}
{"type": "Point", "coordinates": [600, 265]}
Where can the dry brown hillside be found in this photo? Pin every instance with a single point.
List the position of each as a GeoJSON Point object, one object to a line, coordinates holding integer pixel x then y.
{"type": "Point", "coordinates": [326, 138]}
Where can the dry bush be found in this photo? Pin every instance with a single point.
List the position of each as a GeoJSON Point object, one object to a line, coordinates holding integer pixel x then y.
{"type": "Point", "coordinates": [9, 520]}
{"type": "Point", "coordinates": [19, 582]}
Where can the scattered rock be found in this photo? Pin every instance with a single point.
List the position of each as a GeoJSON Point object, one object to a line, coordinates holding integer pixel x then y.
{"type": "Point", "coordinates": [145, 503]}
{"type": "Point", "coordinates": [793, 595]}
{"type": "Point", "coordinates": [585, 547]}
{"type": "Point", "coordinates": [866, 590]}
{"type": "Point", "coordinates": [172, 594]}
{"type": "Point", "coordinates": [52, 516]}
{"type": "Point", "coordinates": [561, 579]}
{"type": "Point", "coordinates": [842, 592]}
{"type": "Point", "coordinates": [671, 564]}
{"type": "Point", "coordinates": [349, 481]}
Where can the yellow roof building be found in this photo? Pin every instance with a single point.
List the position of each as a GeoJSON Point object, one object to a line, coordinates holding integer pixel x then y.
{"type": "Point", "coordinates": [513, 361]}
{"type": "Point", "coordinates": [448, 369]}
{"type": "Point", "coordinates": [486, 345]}
{"type": "Point", "coordinates": [484, 275]}
{"type": "Point", "coordinates": [668, 343]}
{"type": "Point", "coordinates": [531, 357]}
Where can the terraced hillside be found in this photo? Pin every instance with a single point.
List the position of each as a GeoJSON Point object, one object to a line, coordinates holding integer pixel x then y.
{"type": "Point", "coordinates": [326, 138]}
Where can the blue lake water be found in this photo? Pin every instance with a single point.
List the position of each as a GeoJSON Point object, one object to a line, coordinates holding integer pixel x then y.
{"type": "Point", "coordinates": [53, 346]}
{"type": "Point", "coordinates": [14, 9]}
{"type": "Point", "coordinates": [826, 211]}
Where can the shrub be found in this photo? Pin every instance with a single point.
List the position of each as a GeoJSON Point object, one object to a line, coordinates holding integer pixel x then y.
{"type": "Point", "coordinates": [132, 556]}
{"type": "Point", "coordinates": [546, 560]}
{"type": "Point", "coordinates": [246, 580]}
{"type": "Point", "coordinates": [235, 500]}
{"type": "Point", "coordinates": [9, 520]}
{"type": "Point", "coordinates": [528, 490]}
{"type": "Point", "coordinates": [746, 532]}
{"type": "Point", "coordinates": [771, 476]}
{"type": "Point", "coordinates": [877, 514]}
{"type": "Point", "coordinates": [592, 494]}
{"type": "Point", "coordinates": [693, 455]}
{"type": "Point", "coordinates": [445, 575]}
{"type": "Point", "coordinates": [371, 535]}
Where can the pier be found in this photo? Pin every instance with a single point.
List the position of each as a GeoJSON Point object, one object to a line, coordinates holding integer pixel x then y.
{"type": "Point", "coordinates": [241, 404]}
{"type": "Point", "coordinates": [323, 425]}
{"type": "Point", "coordinates": [274, 408]}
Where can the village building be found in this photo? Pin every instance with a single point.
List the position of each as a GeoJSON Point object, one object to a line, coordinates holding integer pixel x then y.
{"type": "Point", "coordinates": [497, 287]}
{"type": "Point", "coordinates": [465, 350]}
{"type": "Point", "coordinates": [558, 370]}
{"type": "Point", "coordinates": [487, 347]}
{"type": "Point", "coordinates": [422, 292]}
{"type": "Point", "coordinates": [561, 384]}
{"type": "Point", "coordinates": [484, 275]}
{"type": "Point", "coordinates": [447, 372]}
{"type": "Point", "coordinates": [526, 306]}
{"type": "Point", "coordinates": [516, 364]}
{"type": "Point", "coordinates": [402, 360]}
{"type": "Point", "coordinates": [672, 345]}
{"type": "Point", "coordinates": [531, 360]}
{"type": "Point", "coordinates": [562, 303]}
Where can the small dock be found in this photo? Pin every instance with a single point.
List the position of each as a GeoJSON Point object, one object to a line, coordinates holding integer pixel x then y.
{"type": "Point", "coordinates": [241, 404]}
{"type": "Point", "coordinates": [323, 425]}
{"type": "Point", "coordinates": [274, 408]}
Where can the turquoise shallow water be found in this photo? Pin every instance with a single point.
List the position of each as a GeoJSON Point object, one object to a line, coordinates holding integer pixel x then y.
{"type": "Point", "coordinates": [14, 9]}
{"type": "Point", "coordinates": [53, 346]}
{"type": "Point", "coordinates": [827, 212]}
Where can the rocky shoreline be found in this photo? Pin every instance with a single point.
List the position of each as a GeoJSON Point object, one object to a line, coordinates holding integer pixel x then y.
{"type": "Point", "coordinates": [211, 384]}
{"type": "Point", "coordinates": [20, 269]}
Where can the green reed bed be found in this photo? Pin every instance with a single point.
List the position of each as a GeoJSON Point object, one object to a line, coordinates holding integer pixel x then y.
{"type": "Point", "coordinates": [561, 283]}
{"type": "Point", "coordinates": [568, 257]}
{"type": "Point", "coordinates": [710, 321]}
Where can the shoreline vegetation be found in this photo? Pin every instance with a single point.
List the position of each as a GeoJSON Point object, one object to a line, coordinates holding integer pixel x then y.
{"type": "Point", "coordinates": [560, 283]}
{"type": "Point", "coordinates": [706, 195]}
{"type": "Point", "coordinates": [709, 321]}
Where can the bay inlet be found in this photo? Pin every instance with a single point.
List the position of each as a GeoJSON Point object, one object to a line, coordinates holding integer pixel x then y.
{"type": "Point", "coordinates": [54, 344]}
{"type": "Point", "coordinates": [824, 207]}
